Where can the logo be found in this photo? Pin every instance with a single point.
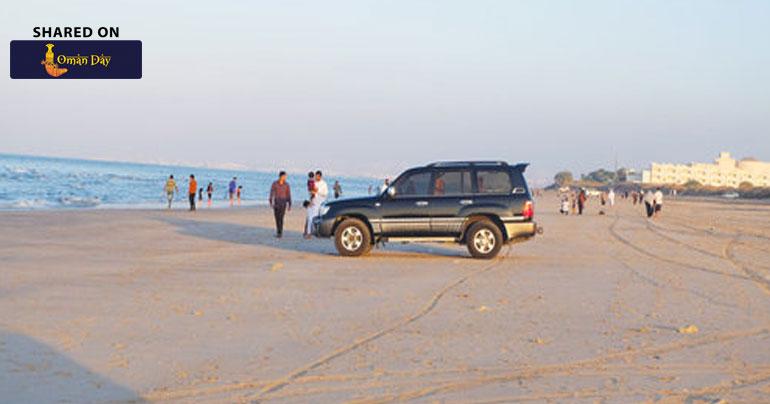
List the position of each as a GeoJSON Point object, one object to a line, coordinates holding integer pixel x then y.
{"type": "Point", "coordinates": [52, 68]}
{"type": "Point", "coordinates": [76, 59]}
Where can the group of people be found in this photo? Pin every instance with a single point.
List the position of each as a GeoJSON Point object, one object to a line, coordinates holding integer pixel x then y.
{"type": "Point", "coordinates": [653, 202]}
{"type": "Point", "coordinates": [574, 202]}
{"type": "Point", "coordinates": [279, 200]}
{"type": "Point", "coordinates": [171, 189]}
{"type": "Point", "coordinates": [317, 193]}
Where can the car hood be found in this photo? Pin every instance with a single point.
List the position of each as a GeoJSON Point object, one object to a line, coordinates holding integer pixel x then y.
{"type": "Point", "coordinates": [359, 201]}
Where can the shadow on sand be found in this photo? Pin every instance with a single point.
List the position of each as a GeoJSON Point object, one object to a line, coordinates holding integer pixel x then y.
{"type": "Point", "coordinates": [33, 372]}
{"type": "Point", "coordinates": [292, 240]}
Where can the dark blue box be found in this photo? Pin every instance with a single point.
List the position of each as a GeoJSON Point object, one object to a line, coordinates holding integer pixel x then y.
{"type": "Point", "coordinates": [48, 59]}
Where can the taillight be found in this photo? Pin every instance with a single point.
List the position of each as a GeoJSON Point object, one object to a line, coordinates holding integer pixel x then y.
{"type": "Point", "coordinates": [529, 210]}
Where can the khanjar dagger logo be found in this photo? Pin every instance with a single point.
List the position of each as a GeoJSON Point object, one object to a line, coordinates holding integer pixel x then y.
{"type": "Point", "coordinates": [51, 67]}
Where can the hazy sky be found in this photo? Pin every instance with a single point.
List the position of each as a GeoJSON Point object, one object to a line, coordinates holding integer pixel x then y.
{"type": "Point", "coordinates": [375, 86]}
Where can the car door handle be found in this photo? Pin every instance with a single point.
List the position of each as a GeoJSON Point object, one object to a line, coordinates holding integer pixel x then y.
{"type": "Point", "coordinates": [466, 201]}
{"type": "Point", "coordinates": [421, 203]}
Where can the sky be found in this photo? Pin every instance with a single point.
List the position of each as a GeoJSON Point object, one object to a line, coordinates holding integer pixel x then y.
{"type": "Point", "coordinates": [373, 87]}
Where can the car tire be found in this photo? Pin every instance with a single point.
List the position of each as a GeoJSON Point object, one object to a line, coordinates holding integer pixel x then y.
{"type": "Point", "coordinates": [484, 239]}
{"type": "Point", "coordinates": [352, 238]}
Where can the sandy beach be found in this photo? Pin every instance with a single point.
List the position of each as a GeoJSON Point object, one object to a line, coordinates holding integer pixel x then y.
{"type": "Point", "coordinates": [150, 305]}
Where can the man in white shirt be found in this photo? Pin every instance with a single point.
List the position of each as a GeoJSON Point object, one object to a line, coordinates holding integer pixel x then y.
{"type": "Point", "coordinates": [322, 192]}
{"type": "Point", "coordinates": [658, 201]}
{"type": "Point", "coordinates": [611, 197]}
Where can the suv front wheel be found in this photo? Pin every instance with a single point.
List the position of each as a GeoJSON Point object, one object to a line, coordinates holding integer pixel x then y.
{"type": "Point", "coordinates": [352, 238]}
{"type": "Point", "coordinates": [484, 240]}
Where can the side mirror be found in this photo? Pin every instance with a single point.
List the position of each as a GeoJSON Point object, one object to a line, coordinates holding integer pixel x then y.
{"type": "Point", "coordinates": [391, 191]}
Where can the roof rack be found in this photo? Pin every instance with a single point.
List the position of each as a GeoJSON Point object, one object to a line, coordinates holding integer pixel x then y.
{"type": "Point", "coordinates": [468, 163]}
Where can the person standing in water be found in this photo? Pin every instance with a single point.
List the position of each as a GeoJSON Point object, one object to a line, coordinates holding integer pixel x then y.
{"type": "Point", "coordinates": [385, 185]}
{"type": "Point", "coordinates": [170, 189]}
{"type": "Point", "coordinates": [337, 190]}
{"type": "Point", "coordinates": [280, 201]}
{"type": "Point", "coordinates": [231, 189]}
{"type": "Point", "coordinates": [238, 194]}
{"type": "Point", "coordinates": [209, 192]}
{"type": "Point", "coordinates": [192, 190]}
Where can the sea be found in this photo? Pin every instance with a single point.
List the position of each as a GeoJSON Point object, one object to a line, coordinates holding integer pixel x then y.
{"type": "Point", "coordinates": [44, 183]}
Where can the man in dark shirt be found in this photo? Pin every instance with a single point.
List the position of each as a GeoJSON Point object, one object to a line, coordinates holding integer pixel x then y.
{"type": "Point", "coordinates": [280, 201]}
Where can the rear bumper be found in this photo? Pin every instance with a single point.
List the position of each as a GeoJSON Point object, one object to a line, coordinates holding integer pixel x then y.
{"type": "Point", "coordinates": [517, 231]}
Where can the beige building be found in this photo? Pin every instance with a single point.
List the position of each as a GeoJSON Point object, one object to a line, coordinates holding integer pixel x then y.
{"type": "Point", "coordinates": [724, 172]}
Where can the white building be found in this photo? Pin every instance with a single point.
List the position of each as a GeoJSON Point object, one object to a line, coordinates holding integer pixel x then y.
{"type": "Point", "coordinates": [724, 172]}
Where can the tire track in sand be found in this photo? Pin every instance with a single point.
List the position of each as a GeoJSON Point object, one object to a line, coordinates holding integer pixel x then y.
{"type": "Point", "coordinates": [650, 254]}
{"type": "Point", "coordinates": [422, 312]}
{"type": "Point", "coordinates": [599, 361]}
{"type": "Point", "coordinates": [728, 254]}
{"type": "Point", "coordinates": [761, 282]}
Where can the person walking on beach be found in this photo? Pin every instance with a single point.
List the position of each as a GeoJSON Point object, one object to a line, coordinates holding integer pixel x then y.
{"type": "Point", "coordinates": [231, 187]}
{"type": "Point", "coordinates": [649, 201]}
{"type": "Point", "coordinates": [573, 202]}
{"type": "Point", "coordinates": [192, 190]}
{"type": "Point", "coordinates": [611, 197]}
{"type": "Point", "coordinates": [337, 190]}
{"type": "Point", "coordinates": [582, 198]}
{"type": "Point", "coordinates": [564, 207]}
{"type": "Point", "coordinates": [209, 192]}
{"type": "Point", "coordinates": [170, 189]}
{"type": "Point", "coordinates": [658, 201]}
{"type": "Point", "coordinates": [280, 201]}
{"type": "Point", "coordinates": [321, 192]}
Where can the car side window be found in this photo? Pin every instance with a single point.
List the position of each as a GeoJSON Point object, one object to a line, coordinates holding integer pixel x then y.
{"type": "Point", "coordinates": [415, 184]}
{"type": "Point", "coordinates": [493, 182]}
{"type": "Point", "coordinates": [455, 182]}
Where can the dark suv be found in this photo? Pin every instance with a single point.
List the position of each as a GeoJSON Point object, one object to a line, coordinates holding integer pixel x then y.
{"type": "Point", "coordinates": [481, 204]}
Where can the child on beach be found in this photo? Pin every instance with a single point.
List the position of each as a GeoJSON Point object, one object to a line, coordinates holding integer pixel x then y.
{"type": "Point", "coordinates": [238, 194]}
{"type": "Point", "coordinates": [564, 210]}
{"type": "Point", "coordinates": [311, 185]}
{"type": "Point", "coordinates": [210, 191]}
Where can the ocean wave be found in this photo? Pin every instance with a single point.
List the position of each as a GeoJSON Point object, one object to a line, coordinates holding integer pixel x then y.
{"type": "Point", "coordinates": [79, 201]}
{"type": "Point", "coordinates": [24, 204]}
{"type": "Point", "coordinates": [21, 173]}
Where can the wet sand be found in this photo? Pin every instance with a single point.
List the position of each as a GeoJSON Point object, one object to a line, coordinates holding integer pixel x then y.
{"type": "Point", "coordinates": [208, 307]}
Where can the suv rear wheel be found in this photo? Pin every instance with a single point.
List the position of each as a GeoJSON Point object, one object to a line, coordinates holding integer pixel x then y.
{"type": "Point", "coordinates": [484, 239]}
{"type": "Point", "coordinates": [352, 238]}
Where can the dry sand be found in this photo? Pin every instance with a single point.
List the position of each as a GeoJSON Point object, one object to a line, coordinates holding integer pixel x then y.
{"type": "Point", "coordinates": [208, 307]}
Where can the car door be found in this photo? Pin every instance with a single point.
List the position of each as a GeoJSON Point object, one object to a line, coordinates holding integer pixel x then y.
{"type": "Point", "coordinates": [452, 194]}
{"type": "Point", "coordinates": [406, 212]}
